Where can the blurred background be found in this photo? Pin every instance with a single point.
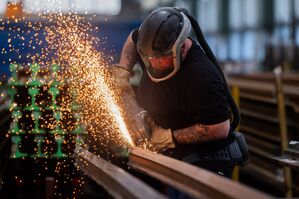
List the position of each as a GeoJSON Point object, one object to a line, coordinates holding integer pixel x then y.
{"type": "Point", "coordinates": [246, 35]}
{"type": "Point", "coordinates": [250, 38]}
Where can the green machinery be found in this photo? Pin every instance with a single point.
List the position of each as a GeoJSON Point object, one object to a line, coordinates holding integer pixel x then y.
{"type": "Point", "coordinates": [48, 141]}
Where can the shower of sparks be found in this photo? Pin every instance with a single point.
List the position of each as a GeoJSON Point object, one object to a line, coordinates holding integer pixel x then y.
{"type": "Point", "coordinates": [84, 83]}
{"type": "Point", "coordinates": [68, 39]}
{"type": "Point", "coordinates": [87, 74]}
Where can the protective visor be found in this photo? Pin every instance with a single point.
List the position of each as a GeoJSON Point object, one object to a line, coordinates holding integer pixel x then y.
{"type": "Point", "coordinates": [159, 67]}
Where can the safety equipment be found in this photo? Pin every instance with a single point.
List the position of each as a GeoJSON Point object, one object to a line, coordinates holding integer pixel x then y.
{"type": "Point", "coordinates": [160, 138]}
{"type": "Point", "coordinates": [161, 37]}
{"type": "Point", "coordinates": [152, 47]}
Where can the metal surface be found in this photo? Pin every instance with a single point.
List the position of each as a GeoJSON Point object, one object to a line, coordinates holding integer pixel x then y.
{"type": "Point", "coordinates": [115, 180]}
{"type": "Point", "coordinates": [269, 106]}
{"type": "Point", "coordinates": [192, 180]}
{"type": "Point", "coordinates": [287, 161]}
{"type": "Point", "coordinates": [290, 158]}
{"type": "Point", "coordinates": [292, 153]}
{"type": "Point", "coordinates": [260, 87]}
{"type": "Point", "coordinates": [235, 90]}
{"type": "Point", "coordinates": [283, 130]}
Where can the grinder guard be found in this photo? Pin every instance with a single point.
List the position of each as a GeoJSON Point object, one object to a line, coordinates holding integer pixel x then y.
{"type": "Point", "coordinates": [138, 128]}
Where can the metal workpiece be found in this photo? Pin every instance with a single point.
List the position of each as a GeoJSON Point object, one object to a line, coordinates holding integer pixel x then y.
{"type": "Point", "coordinates": [269, 108]}
{"type": "Point", "coordinates": [113, 179]}
{"type": "Point", "coordinates": [192, 180]}
{"type": "Point", "coordinates": [290, 156]}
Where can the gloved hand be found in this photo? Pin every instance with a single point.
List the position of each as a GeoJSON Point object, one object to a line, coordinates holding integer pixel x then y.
{"type": "Point", "coordinates": [118, 151]}
{"type": "Point", "coordinates": [160, 138]}
{"type": "Point", "coordinates": [121, 77]}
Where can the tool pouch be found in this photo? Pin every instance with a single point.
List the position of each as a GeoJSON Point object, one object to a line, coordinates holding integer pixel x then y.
{"type": "Point", "coordinates": [238, 150]}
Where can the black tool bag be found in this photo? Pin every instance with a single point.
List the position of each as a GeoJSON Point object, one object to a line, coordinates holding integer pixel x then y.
{"type": "Point", "coordinates": [238, 150]}
{"type": "Point", "coordinates": [236, 153]}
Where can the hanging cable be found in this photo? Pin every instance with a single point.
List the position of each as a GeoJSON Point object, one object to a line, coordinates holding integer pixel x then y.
{"type": "Point", "coordinates": [206, 48]}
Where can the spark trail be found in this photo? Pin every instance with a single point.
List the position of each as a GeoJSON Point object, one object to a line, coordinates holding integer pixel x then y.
{"type": "Point", "coordinates": [83, 71]}
{"type": "Point", "coordinates": [87, 75]}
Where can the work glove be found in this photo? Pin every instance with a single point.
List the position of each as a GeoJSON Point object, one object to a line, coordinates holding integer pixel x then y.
{"type": "Point", "coordinates": [118, 150]}
{"type": "Point", "coordinates": [121, 78]}
{"type": "Point", "coordinates": [161, 139]}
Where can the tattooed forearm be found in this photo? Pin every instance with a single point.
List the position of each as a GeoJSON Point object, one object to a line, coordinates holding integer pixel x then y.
{"type": "Point", "coordinates": [129, 54]}
{"type": "Point", "coordinates": [193, 134]}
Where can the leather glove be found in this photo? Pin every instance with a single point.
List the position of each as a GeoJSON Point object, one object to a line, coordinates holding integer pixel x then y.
{"type": "Point", "coordinates": [118, 151]}
{"type": "Point", "coordinates": [121, 78]}
{"type": "Point", "coordinates": [160, 138]}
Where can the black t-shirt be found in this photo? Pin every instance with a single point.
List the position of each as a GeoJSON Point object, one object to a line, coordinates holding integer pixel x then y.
{"type": "Point", "coordinates": [196, 94]}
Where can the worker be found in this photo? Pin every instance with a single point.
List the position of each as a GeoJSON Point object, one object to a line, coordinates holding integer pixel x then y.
{"type": "Point", "coordinates": [183, 89]}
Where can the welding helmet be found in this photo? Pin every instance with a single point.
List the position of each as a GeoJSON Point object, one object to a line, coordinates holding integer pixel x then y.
{"type": "Point", "coordinates": [161, 37]}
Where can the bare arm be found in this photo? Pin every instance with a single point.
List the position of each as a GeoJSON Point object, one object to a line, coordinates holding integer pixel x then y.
{"type": "Point", "coordinates": [201, 133]}
{"type": "Point", "coordinates": [128, 56]}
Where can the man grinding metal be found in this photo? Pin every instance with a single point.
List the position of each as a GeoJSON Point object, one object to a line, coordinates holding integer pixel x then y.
{"type": "Point", "coordinates": [184, 92]}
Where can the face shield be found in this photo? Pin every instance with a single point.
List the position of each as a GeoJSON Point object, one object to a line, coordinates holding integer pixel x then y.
{"type": "Point", "coordinates": [159, 66]}
{"type": "Point", "coordinates": [161, 37]}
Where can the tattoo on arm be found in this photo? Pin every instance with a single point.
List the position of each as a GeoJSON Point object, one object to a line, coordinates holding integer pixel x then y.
{"type": "Point", "coordinates": [129, 54]}
{"type": "Point", "coordinates": [194, 134]}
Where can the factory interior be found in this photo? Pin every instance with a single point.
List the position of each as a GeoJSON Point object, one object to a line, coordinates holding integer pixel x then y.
{"type": "Point", "coordinates": [63, 136]}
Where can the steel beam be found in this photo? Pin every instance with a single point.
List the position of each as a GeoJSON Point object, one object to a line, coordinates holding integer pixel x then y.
{"type": "Point", "coordinates": [115, 180]}
{"type": "Point", "coordinates": [192, 180]}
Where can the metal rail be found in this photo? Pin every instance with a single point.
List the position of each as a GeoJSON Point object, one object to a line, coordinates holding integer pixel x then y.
{"type": "Point", "coordinates": [274, 99]}
{"type": "Point", "coordinates": [192, 180]}
{"type": "Point", "coordinates": [287, 161]}
{"type": "Point", "coordinates": [115, 180]}
{"type": "Point", "coordinates": [289, 158]}
{"type": "Point", "coordinates": [252, 85]}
